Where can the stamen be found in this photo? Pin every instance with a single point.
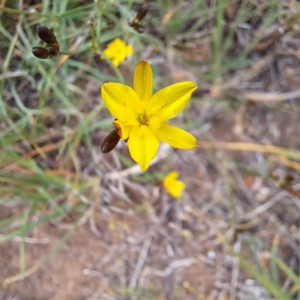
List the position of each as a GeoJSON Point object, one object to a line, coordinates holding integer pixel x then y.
{"type": "Point", "coordinates": [142, 119]}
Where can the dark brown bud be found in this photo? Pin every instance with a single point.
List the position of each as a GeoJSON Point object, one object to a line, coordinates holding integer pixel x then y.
{"type": "Point", "coordinates": [142, 12]}
{"type": "Point", "coordinates": [140, 28]}
{"type": "Point", "coordinates": [136, 22]}
{"type": "Point", "coordinates": [46, 35]}
{"type": "Point", "coordinates": [110, 142]}
{"type": "Point", "coordinates": [117, 127]}
{"type": "Point", "coordinates": [54, 51]}
{"type": "Point", "coordinates": [40, 52]}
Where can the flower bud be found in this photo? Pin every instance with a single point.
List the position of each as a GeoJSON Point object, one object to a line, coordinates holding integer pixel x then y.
{"type": "Point", "coordinates": [54, 51]}
{"type": "Point", "coordinates": [91, 22]}
{"type": "Point", "coordinates": [136, 22]}
{"type": "Point", "coordinates": [140, 28]}
{"type": "Point", "coordinates": [142, 12]}
{"type": "Point", "coordinates": [40, 52]}
{"type": "Point", "coordinates": [110, 142]}
{"type": "Point", "coordinates": [46, 35]}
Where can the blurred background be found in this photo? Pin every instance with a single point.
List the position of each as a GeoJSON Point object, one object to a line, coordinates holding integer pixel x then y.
{"type": "Point", "coordinates": [79, 224]}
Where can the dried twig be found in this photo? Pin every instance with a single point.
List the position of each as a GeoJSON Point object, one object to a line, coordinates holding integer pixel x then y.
{"type": "Point", "coordinates": [251, 147]}
{"type": "Point", "coordinates": [28, 240]}
{"type": "Point", "coordinates": [176, 264]}
{"type": "Point", "coordinates": [140, 263]}
{"type": "Point", "coordinates": [271, 97]}
{"type": "Point", "coordinates": [264, 207]}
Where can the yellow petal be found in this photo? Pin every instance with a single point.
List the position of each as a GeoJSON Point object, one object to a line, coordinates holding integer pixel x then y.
{"type": "Point", "coordinates": [116, 61]}
{"type": "Point", "coordinates": [171, 176]}
{"type": "Point", "coordinates": [170, 101]}
{"type": "Point", "coordinates": [125, 129]}
{"type": "Point", "coordinates": [118, 42]}
{"type": "Point", "coordinates": [110, 53]}
{"type": "Point", "coordinates": [120, 100]}
{"type": "Point", "coordinates": [143, 145]}
{"type": "Point", "coordinates": [175, 137]}
{"type": "Point", "coordinates": [129, 49]}
{"type": "Point", "coordinates": [173, 186]}
{"type": "Point", "coordinates": [117, 51]}
{"type": "Point", "coordinates": [176, 189]}
{"type": "Point", "coordinates": [143, 81]}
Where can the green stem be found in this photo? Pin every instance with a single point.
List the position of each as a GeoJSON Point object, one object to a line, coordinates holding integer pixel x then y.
{"type": "Point", "coordinates": [28, 13]}
{"type": "Point", "coordinates": [73, 52]}
{"type": "Point", "coordinates": [93, 36]}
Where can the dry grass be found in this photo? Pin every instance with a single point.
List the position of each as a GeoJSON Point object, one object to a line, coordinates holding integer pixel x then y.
{"type": "Point", "coordinates": [78, 224]}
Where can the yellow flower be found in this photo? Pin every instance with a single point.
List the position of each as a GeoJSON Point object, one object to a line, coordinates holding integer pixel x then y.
{"type": "Point", "coordinates": [173, 186]}
{"type": "Point", "coordinates": [117, 51]}
{"type": "Point", "coordinates": [141, 116]}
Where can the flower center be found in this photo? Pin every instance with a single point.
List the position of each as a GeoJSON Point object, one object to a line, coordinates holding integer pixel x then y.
{"type": "Point", "coordinates": [142, 119]}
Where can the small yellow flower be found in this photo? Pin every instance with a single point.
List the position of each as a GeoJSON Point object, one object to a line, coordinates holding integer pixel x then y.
{"type": "Point", "coordinates": [117, 51]}
{"type": "Point", "coordinates": [174, 187]}
{"type": "Point", "coordinates": [141, 116]}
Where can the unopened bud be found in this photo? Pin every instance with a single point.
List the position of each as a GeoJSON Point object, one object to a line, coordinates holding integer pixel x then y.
{"type": "Point", "coordinates": [110, 142]}
{"type": "Point", "coordinates": [54, 51]}
{"type": "Point", "coordinates": [91, 22]}
{"type": "Point", "coordinates": [140, 28]}
{"type": "Point", "coordinates": [40, 52]}
{"type": "Point", "coordinates": [136, 22]}
{"type": "Point", "coordinates": [46, 35]}
{"type": "Point", "coordinates": [141, 13]}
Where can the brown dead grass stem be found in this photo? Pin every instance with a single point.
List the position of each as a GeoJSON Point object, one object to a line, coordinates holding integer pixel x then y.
{"type": "Point", "coordinates": [271, 97]}
{"type": "Point", "coordinates": [285, 152]}
{"type": "Point", "coordinates": [255, 69]}
{"type": "Point", "coordinates": [60, 172]}
{"type": "Point", "coordinates": [288, 163]}
{"type": "Point", "coordinates": [2, 3]}
{"type": "Point", "coordinates": [64, 58]}
{"type": "Point", "coordinates": [47, 148]}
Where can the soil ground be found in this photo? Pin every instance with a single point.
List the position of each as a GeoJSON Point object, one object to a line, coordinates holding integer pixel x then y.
{"type": "Point", "coordinates": [171, 243]}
